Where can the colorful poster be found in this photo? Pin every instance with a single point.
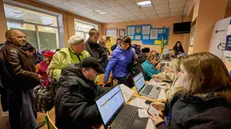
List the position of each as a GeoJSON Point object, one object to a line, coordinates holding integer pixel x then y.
{"type": "Point", "coordinates": [131, 30]}
{"type": "Point", "coordinates": [145, 37]}
{"type": "Point", "coordinates": [154, 34]}
{"type": "Point", "coordinates": [146, 30]}
{"type": "Point", "coordinates": [138, 30]}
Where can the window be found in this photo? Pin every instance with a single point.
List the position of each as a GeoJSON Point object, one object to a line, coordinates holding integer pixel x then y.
{"type": "Point", "coordinates": [41, 29]}
{"type": "Point", "coordinates": [82, 28]}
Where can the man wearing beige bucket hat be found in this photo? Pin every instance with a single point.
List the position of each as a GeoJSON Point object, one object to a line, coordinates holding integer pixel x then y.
{"type": "Point", "coordinates": [74, 53]}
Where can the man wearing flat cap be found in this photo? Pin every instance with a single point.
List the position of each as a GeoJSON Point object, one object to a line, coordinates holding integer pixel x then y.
{"type": "Point", "coordinates": [76, 91]}
{"type": "Point", "coordinates": [75, 53]}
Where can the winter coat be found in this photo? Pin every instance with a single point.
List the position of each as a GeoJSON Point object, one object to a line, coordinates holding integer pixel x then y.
{"type": "Point", "coordinates": [141, 58]}
{"type": "Point", "coordinates": [200, 111]}
{"type": "Point", "coordinates": [63, 58]}
{"type": "Point", "coordinates": [75, 107]}
{"type": "Point", "coordinates": [149, 69]}
{"type": "Point", "coordinates": [97, 51]}
{"type": "Point", "coordinates": [42, 68]}
{"type": "Point", "coordinates": [17, 68]}
{"type": "Point", "coordinates": [118, 63]}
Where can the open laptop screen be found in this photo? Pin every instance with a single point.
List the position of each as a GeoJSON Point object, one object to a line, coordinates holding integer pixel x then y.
{"type": "Point", "coordinates": [109, 103]}
{"type": "Point", "coordinates": [139, 81]}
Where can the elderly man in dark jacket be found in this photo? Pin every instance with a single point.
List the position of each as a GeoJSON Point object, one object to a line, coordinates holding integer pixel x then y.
{"type": "Point", "coordinates": [74, 102]}
{"type": "Point", "coordinates": [18, 75]}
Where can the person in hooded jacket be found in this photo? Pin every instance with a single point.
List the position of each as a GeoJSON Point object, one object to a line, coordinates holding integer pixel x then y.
{"type": "Point", "coordinates": [94, 49]}
{"type": "Point", "coordinates": [122, 57]}
{"type": "Point", "coordinates": [75, 107]}
{"type": "Point", "coordinates": [206, 101]}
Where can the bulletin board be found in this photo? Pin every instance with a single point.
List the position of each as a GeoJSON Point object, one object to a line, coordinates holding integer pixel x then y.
{"type": "Point", "coordinates": [148, 35]}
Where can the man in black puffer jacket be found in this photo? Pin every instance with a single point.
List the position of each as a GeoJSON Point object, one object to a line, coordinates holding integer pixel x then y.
{"type": "Point", "coordinates": [74, 102]}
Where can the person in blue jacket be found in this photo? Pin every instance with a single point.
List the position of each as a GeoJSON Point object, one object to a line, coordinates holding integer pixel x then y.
{"type": "Point", "coordinates": [120, 62]}
{"type": "Point", "coordinates": [151, 66]}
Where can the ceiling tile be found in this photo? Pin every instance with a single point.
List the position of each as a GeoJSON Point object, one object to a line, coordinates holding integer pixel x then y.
{"type": "Point", "coordinates": [69, 4]}
{"type": "Point", "coordinates": [54, 2]}
{"type": "Point", "coordinates": [112, 3]}
{"type": "Point", "coordinates": [62, 6]}
{"type": "Point", "coordinates": [81, 9]}
{"type": "Point", "coordinates": [163, 7]}
{"type": "Point", "coordinates": [176, 14]}
{"type": "Point", "coordinates": [159, 2]}
{"type": "Point", "coordinates": [91, 7]}
{"type": "Point", "coordinates": [174, 1]}
{"type": "Point", "coordinates": [148, 9]}
{"type": "Point", "coordinates": [78, 2]}
{"type": "Point", "coordinates": [126, 2]}
{"type": "Point", "coordinates": [164, 15]}
{"type": "Point", "coordinates": [162, 11]}
{"type": "Point", "coordinates": [139, 13]}
{"type": "Point", "coordinates": [119, 8]}
{"type": "Point", "coordinates": [101, 5]}
{"type": "Point", "coordinates": [108, 10]}
{"type": "Point", "coordinates": [177, 10]}
{"type": "Point", "coordinates": [177, 5]}
{"type": "Point", "coordinates": [132, 6]}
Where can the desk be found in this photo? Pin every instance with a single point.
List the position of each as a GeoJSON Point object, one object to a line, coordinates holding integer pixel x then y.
{"type": "Point", "coordinates": [135, 95]}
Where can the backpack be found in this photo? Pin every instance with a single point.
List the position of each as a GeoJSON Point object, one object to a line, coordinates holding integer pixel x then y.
{"type": "Point", "coordinates": [45, 94]}
{"type": "Point", "coordinates": [137, 48]}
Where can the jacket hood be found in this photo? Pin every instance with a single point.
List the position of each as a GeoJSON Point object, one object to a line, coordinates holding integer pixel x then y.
{"type": "Point", "coordinates": [212, 97]}
{"type": "Point", "coordinates": [72, 70]}
{"type": "Point", "coordinates": [72, 75]}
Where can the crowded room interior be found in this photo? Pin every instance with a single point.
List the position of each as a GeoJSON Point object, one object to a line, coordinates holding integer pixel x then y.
{"type": "Point", "coordinates": [115, 64]}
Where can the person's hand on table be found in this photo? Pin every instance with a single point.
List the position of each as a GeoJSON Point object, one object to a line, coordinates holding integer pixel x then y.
{"type": "Point", "coordinates": [156, 119]}
{"type": "Point", "coordinates": [158, 106]}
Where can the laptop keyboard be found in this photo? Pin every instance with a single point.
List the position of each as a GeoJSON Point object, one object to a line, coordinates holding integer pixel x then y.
{"type": "Point", "coordinates": [128, 117]}
{"type": "Point", "coordinates": [155, 92]}
{"type": "Point", "coordinates": [147, 89]}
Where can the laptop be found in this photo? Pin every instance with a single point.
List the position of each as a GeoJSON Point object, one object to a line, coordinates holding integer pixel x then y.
{"type": "Point", "coordinates": [116, 114]}
{"type": "Point", "coordinates": [146, 90]}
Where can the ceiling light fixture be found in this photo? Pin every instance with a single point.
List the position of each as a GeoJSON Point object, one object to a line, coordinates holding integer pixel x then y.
{"type": "Point", "coordinates": [143, 4]}
{"type": "Point", "coordinates": [101, 12]}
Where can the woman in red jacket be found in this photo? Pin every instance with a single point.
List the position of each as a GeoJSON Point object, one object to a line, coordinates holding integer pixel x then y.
{"type": "Point", "coordinates": [47, 56]}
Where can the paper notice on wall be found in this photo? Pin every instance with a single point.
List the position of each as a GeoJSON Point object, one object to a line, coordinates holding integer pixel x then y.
{"type": "Point", "coordinates": [146, 37]}
{"type": "Point", "coordinates": [145, 30]}
{"type": "Point", "coordinates": [132, 37]}
{"type": "Point", "coordinates": [138, 37]}
{"type": "Point", "coordinates": [154, 34]}
{"type": "Point", "coordinates": [131, 30]}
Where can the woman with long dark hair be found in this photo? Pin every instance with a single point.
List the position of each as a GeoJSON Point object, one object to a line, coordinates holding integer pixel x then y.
{"type": "Point", "coordinates": [178, 48]}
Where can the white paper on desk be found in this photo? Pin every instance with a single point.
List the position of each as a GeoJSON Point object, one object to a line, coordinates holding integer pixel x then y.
{"type": "Point", "coordinates": [150, 125]}
{"type": "Point", "coordinates": [138, 102]}
{"type": "Point", "coordinates": [162, 95]}
{"type": "Point", "coordinates": [127, 92]}
{"type": "Point", "coordinates": [142, 113]}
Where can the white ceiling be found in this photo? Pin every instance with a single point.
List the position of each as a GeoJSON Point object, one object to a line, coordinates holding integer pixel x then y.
{"type": "Point", "coordinates": [122, 10]}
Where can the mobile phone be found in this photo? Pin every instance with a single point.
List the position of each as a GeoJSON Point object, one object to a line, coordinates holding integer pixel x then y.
{"type": "Point", "coordinates": [152, 111]}
{"type": "Point", "coordinates": [148, 102]}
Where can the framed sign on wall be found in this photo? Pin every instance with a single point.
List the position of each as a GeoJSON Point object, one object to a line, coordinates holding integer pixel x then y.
{"type": "Point", "coordinates": [121, 32]}
{"type": "Point", "coordinates": [112, 32]}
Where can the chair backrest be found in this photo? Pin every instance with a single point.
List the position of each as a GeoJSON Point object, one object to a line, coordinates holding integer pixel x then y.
{"type": "Point", "coordinates": [51, 119]}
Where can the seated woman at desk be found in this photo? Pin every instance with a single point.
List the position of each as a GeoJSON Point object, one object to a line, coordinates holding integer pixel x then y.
{"type": "Point", "coordinates": [151, 67]}
{"type": "Point", "coordinates": [206, 101]}
{"type": "Point", "coordinates": [172, 77]}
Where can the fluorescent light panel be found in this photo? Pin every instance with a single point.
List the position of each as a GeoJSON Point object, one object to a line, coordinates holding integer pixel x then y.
{"type": "Point", "coordinates": [144, 4]}
{"type": "Point", "coordinates": [101, 12]}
